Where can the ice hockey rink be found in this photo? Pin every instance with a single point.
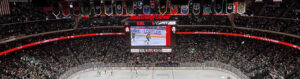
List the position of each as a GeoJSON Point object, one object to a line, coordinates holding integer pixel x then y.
{"type": "Point", "coordinates": [154, 41]}
{"type": "Point", "coordinates": [174, 73]}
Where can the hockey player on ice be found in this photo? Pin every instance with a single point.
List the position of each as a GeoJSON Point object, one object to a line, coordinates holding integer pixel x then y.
{"type": "Point", "coordinates": [148, 37]}
{"type": "Point", "coordinates": [133, 35]}
{"type": "Point", "coordinates": [99, 73]}
{"type": "Point", "coordinates": [111, 73]}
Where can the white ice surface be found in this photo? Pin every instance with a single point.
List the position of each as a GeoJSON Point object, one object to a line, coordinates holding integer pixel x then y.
{"type": "Point", "coordinates": [154, 41]}
{"type": "Point", "coordinates": [154, 74]}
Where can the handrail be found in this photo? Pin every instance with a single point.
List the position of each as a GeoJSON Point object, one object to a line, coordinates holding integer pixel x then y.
{"type": "Point", "coordinates": [51, 32]}
{"type": "Point", "coordinates": [34, 21]}
{"type": "Point", "coordinates": [220, 26]}
{"type": "Point", "coordinates": [244, 28]}
{"type": "Point", "coordinates": [100, 34]}
{"type": "Point", "coordinates": [245, 36]}
{"type": "Point", "coordinates": [281, 18]}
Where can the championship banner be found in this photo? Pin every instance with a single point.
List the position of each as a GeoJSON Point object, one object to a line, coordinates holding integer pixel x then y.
{"type": "Point", "coordinates": [185, 9]}
{"type": "Point", "coordinates": [206, 10]}
{"type": "Point", "coordinates": [108, 8]}
{"type": "Point", "coordinates": [119, 8]}
{"type": "Point", "coordinates": [196, 9]}
{"type": "Point", "coordinates": [4, 7]}
{"type": "Point", "coordinates": [146, 7]}
{"type": "Point", "coordinates": [229, 6]}
{"type": "Point", "coordinates": [241, 8]}
{"type": "Point", "coordinates": [173, 9]}
{"type": "Point", "coordinates": [65, 8]}
{"type": "Point", "coordinates": [129, 7]}
{"type": "Point", "coordinates": [85, 8]}
{"type": "Point", "coordinates": [163, 7]}
{"type": "Point", "coordinates": [97, 10]}
{"type": "Point", "coordinates": [76, 8]}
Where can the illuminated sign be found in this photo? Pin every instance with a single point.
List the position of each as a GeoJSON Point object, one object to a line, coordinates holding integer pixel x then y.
{"type": "Point", "coordinates": [149, 23]}
{"type": "Point", "coordinates": [146, 17]}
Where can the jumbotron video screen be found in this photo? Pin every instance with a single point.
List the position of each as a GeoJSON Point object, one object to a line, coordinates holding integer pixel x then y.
{"type": "Point", "coordinates": [150, 35]}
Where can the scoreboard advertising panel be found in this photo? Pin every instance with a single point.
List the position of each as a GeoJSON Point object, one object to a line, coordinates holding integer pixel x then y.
{"type": "Point", "coordinates": [150, 35]}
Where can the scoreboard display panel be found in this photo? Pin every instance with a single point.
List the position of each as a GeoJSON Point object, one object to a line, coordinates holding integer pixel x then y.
{"type": "Point", "coordinates": [150, 35]}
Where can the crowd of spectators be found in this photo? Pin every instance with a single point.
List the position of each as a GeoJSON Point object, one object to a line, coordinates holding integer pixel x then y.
{"type": "Point", "coordinates": [29, 28]}
{"type": "Point", "coordinates": [278, 25]}
{"type": "Point", "coordinates": [101, 21]}
{"type": "Point", "coordinates": [257, 59]}
{"type": "Point", "coordinates": [289, 26]}
{"type": "Point", "coordinates": [202, 20]}
{"type": "Point", "coordinates": [10, 45]}
{"type": "Point", "coordinates": [279, 37]}
{"type": "Point", "coordinates": [56, 65]}
{"type": "Point", "coordinates": [268, 8]}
